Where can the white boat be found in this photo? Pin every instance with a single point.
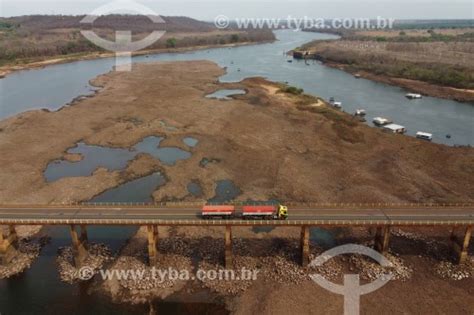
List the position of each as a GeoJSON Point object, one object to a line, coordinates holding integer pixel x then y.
{"type": "Point", "coordinates": [381, 121]}
{"type": "Point", "coordinates": [413, 96]}
{"type": "Point", "coordinates": [360, 112]}
{"type": "Point", "coordinates": [394, 128]}
{"type": "Point", "coordinates": [337, 104]}
{"type": "Point", "coordinates": [424, 135]}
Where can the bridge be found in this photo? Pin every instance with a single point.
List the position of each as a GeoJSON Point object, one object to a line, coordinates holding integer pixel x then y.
{"type": "Point", "coordinates": [382, 217]}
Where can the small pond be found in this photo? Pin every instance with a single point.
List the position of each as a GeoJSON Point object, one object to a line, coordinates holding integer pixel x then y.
{"type": "Point", "coordinates": [111, 158]}
{"type": "Point", "coordinates": [225, 94]}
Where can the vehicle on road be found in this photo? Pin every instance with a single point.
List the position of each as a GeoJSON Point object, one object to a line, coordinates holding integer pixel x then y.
{"type": "Point", "coordinates": [253, 212]}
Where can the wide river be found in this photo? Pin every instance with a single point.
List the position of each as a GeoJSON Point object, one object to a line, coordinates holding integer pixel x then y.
{"type": "Point", "coordinates": [39, 288]}
{"type": "Point", "coordinates": [54, 86]}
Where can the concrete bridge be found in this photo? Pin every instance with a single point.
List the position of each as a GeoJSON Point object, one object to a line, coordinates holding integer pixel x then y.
{"type": "Point", "coordinates": [382, 217]}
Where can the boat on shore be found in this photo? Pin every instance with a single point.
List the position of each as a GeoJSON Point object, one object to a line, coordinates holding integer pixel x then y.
{"type": "Point", "coordinates": [394, 128]}
{"type": "Point", "coordinates": [413, 96]}
{"type": "Point", "coordinates": [381, 121]}
{"type": "Point", "coordinates": [337, 105]}
{"type": "Point", "coordinates": [424, 135]}
{"type": "Point", "coordinates": [360, 112]}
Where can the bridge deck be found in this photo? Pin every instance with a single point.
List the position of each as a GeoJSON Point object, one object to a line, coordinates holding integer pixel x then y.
{"type": "Point", "coordinates": [190, 215]}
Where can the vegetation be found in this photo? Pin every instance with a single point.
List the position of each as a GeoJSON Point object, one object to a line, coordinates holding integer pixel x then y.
{"type": "Point", "coordinates": [171, 42]}
{"type": "Point", "coordinates": [33, 38]}
{"type": "Point", "coordinates": [5, 25]}
{"type": "Point", "coordinates": [292, 90]}
{"type": "Point", "coordinates": [436, 56]}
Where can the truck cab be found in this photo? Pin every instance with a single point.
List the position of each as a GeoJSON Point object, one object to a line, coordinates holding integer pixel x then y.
{"type": "Point", "coordinates": [282, 212]}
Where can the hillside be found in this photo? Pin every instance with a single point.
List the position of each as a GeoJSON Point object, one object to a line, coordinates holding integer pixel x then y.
{"type": "Point", "coordinates": [34, 38]}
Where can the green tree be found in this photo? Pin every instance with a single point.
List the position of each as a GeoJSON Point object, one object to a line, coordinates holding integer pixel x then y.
{"type": "Point", "coordinates": [171, 42]}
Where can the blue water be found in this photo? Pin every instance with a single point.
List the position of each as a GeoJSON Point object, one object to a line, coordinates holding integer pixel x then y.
{"type": "Point", "coordinates": [111, 158]}
{"type": "Point", "coordinates": [54, 86]}
{"type": "Point", "coordinates": [225, 94]}
{"type": "Point", "coordinates": [190, 141]}
{"type": "Point", "coordinates": [225, 191]}
{"type": "Point", "coordinates": [138, 190]}
{"type": "Point", "coordinates": [195, 189]}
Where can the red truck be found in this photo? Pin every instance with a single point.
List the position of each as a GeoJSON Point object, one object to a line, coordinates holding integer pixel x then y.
{"type": "Point", "coordinates": [216, 211]}
{"type": "Point", "coordinates": [254, 212]}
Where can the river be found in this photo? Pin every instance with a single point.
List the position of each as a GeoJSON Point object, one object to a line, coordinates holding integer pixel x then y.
{"type": "Point", "coordinates": [39, 288]}
{"type": "Point", "coordinates": [56, 85]}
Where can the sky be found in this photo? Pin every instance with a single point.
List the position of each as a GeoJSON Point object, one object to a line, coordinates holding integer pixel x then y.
{"type": "Point", "coordinates": [209, 9]}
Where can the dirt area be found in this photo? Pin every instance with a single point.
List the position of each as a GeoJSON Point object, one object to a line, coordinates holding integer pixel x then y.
{"type": "Point", "coordinates": [299, 146]}
{"type": "Point", "coordinates": [282, 286]}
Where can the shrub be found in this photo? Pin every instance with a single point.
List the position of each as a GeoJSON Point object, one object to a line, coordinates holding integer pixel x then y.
{"type": "Point", "coordinates": [171, 42]}
{"type": "Point", "coordinates": [234, 38]}
{"type": "Point", "coordinates": [293, 90]}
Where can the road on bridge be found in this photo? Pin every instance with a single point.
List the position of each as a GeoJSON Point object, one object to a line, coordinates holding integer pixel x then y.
{"type": "Point", "coordinates": [123, 214]}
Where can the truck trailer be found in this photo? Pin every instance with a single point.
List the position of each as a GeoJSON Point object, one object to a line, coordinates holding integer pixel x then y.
{"type": "Point", "coordinates": [250, 212]}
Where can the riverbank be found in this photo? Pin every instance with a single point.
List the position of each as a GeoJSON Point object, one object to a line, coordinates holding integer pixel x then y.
{"type": "Point", "coordinates": [430, 63]}
{"type": "Point", "coordinates": [55, 60]}
{"type": "Point", "coordinates": [413, 86]}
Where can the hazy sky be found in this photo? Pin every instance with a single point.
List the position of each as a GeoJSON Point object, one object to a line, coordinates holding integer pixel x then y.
{"type": "Point", "coordinates": [207, 10]}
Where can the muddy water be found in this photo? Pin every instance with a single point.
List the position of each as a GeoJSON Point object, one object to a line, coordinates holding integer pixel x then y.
{"type": "Point", "coordinates": [20, 91]}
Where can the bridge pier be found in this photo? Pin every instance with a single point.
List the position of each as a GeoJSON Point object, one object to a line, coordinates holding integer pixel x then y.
{"type": "Point", "coordinates": [382, 238]}
{"type": "Point", "coordinates": [79, 244]}
{"type": "Point", "coordinates": [304, 245]}
{"type": "Point", "coordinates": [460, 246]}
{"type": "Point", "coordinates": [8, 244]}
{"type": "Point", "coordinates": [228, 247]}
{"type": "Point", "coordinates": [153, 237]}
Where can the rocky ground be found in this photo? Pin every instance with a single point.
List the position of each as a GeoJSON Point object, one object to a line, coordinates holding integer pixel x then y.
{"type": "Point", "coordinates": [28, 248]}
{"type": "Point", "coordinates": [98, 256]}
{"type": "Point", "coordinates": [275, 257]}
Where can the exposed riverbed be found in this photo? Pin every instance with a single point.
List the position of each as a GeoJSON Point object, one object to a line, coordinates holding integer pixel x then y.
{"type": "Point", "coordinates": [22, 91]}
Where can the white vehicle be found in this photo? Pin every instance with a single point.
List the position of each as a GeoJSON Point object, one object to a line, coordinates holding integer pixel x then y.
{"type": "Point", "coordinates": [381, 121]}
{"type": "Point", "coordinates": [394, 128]}
{"type": "Point", "coordinates": [413, 96]}
{"type": "Point", "coordinates": [424, 135]}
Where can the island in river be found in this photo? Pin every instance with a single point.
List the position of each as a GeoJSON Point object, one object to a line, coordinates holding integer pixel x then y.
{"type": "Point", "coordinates": [271, 142]}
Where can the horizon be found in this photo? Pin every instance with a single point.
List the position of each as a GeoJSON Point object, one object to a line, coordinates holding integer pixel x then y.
{"type": "Point", "coordinates": [208, 10]}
